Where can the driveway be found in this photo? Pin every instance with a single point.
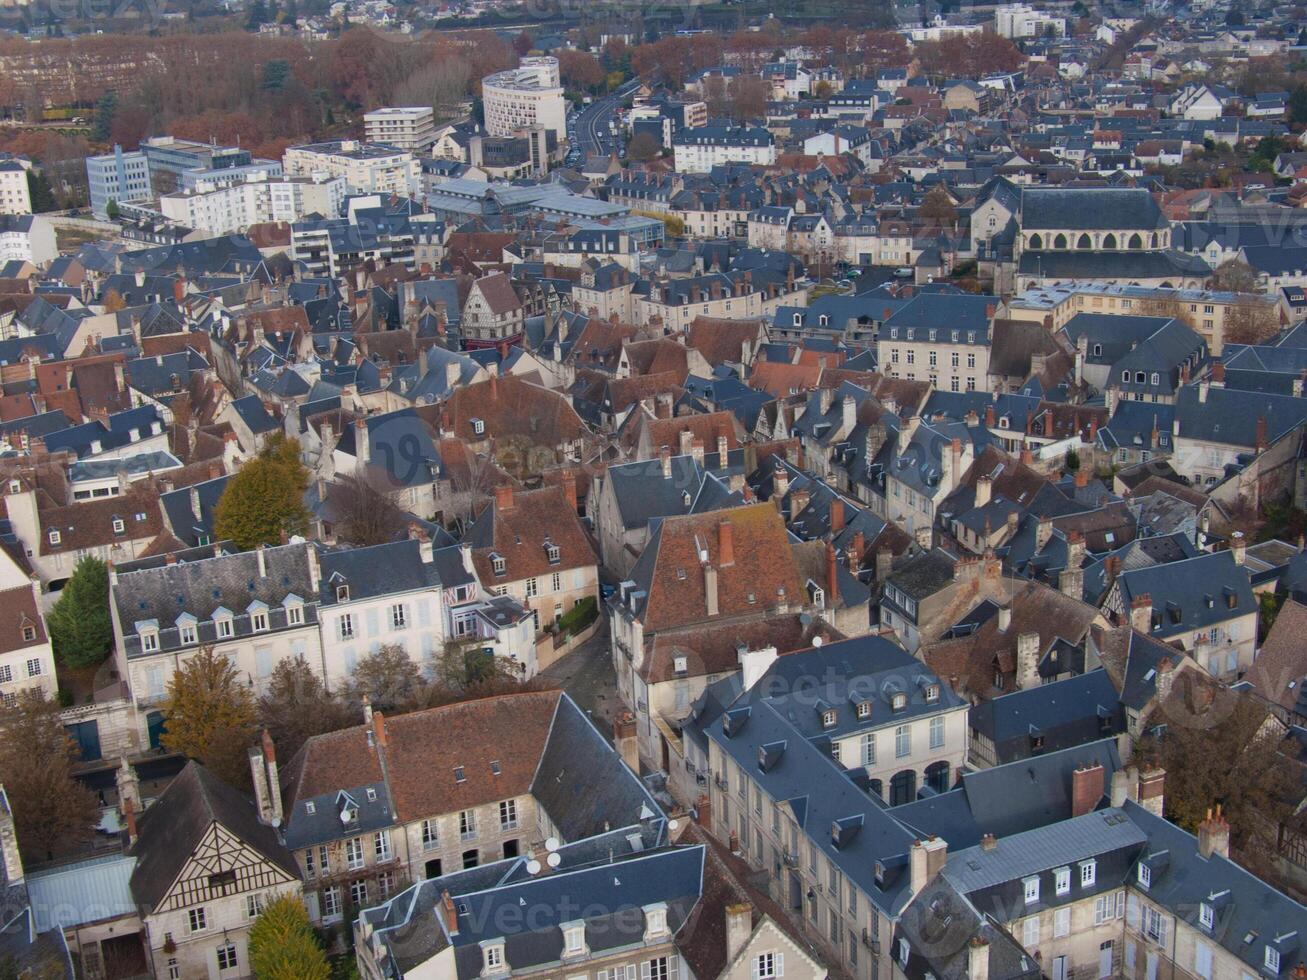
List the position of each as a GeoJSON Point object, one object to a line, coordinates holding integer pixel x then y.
{"type": "Point", "coordinates": [586, 674]}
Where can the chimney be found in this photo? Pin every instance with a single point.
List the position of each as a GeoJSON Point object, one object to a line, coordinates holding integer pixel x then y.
{"type": "Point", "coordinates": [989, 843]}
{"type": "Point", "coordinates": [710, 589]}
{"type": "Point", "coordinates": [274, 781]}
{"type": "Point", "coordinates": [832, 578]}
{"type": "Point", "coordinates": [367, 710]}
{"type": "Point", "coordinates": [1004, 618]}
{"type": "Point", "coordinates": [1238, 547]}
{"type": "Point", "coordinates": [128, 783]}
{"type": "Point", "coordinates": [450, 913]}
{"type": "Point", "coordinates": [569, 490]}
{"type": "Point", "coordinates": [1071, 580]}
{"type": "Point", "coordinates": [1218, 374]}
{"type": "Point", "coordinates": [361, 454]}
{"type": "Point", "coordinates": [624, 740]}
{"type": "Point", "coordinates": [990, 421]}
{"type": "Point", "coordinates": [1152, 790]}
{"type": "Point", "coordinates": [836, 515]}
{"type": "Point", "coordinates": [1082, 476]}
{"type": "Point", "coordinates": [1214, 835]}
{"type": "Point", "coordinates": [984, 488]}
{"type": "Point", "coordinates": [884, 563]}
{"type": "Point", "coordinates": [856, 551]}
{"type": "Point", "coordinates": [504, 496]}
{"type": "Point", "coordinates": [1086, 789]}
{"type": "Point", "coordinates": [977, 959]}
{"type": "Point", "coordinates": [1261, 434]}
{"type": "Point", "coordinates": [1141, 613]}
{"type": "Point", "coordinates": [696, 450]}
{"type": "Point", "coordinates": [1165, 679]}
{"type": "Point", "coordinates": [926, 860]}
{"type": "Point", "coordinates": [1028, 660]}
{"type": "Point", "coordinates": [263, 561]}
{"type": "Point", "coordinates": [1120, 788]}
{"type": "Point", "coordinates": [703, 810]}
{"type": "Point", "coordinates": [665, 461]}
{"type": "Point", "coordinates": [725, 544]}
{"type": "Point", "coordinates": [379, 727]}
{"type": "Point", "coordinates": [739, 927]}
{"type": "Point", "coordinates": [1111, 568]}
{"type": "Point", "coordinates": [1027, 457]}
{"type": "Point", "coordinates": [6, 832]}
{"type": "Point", "coordinates": [780, 483]}
{"type": "Point", "coordinates": [686, 437]}
{"type": "Point", "coordinates": [723, 450]}
{"type": "Point", "coordinates": [1043, 532]}
{"type": "Point", "coordinates": [848, 415]}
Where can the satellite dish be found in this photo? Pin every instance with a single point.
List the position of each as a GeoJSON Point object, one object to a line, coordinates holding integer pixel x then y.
{"type": "Point", "coordinates": [817, 641]}
{"type": "Point", "coordinates": [344, 815]}
{"type": "Point", "coordinates": [533, 867]}
{"type": "Point", "coordinates": [554, 859]}
{"type": "Point", "coordinates": [673, 824]}
{"type": "Point", "coordinates": [552, 845]}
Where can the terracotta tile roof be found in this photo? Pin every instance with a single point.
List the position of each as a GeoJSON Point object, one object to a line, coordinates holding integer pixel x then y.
{"type": "Point", "coordinates": [707, 427]}
{"type": "Point", "coordinates": [336, 760]}
{"type": "Point", "coordinates": [761, 576]}
{"type": "Point", "coordinates": [424, 748]}
{"type": "Point", "coordinates": [722, 341]}
{"type": "Point", "coordinates": [712, 649]}
{"type": "Point", "coordinates": [511, 407]}
{"type": "Point", "coordinates": [18, 611]}
{"type": "Point", "coordinates": [625, 392]}
{"type": "Point", "coordinates": [499, 293]}
{"type": "Point", "coordinates": [782, 380]}
{"type": "Point", "coordinates": [516, 527]}
{"type": "Point", "coordinates": [599, 344]}
{"type": "Point", "coordinates": [89, 523]}
{"type": "Point", "coordinates": [656, 356]}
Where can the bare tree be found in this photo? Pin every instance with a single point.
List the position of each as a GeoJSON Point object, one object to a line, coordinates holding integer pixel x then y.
{"type": "Point", "coordinates": [366, 511]}
{"type": "Point", "coordinates": [1235, 276]}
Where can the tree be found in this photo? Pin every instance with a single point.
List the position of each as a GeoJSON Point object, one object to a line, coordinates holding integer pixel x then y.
{"type": "Point", "coordinates": [749, 95]}
{"type": "Point", "coordinates": [283, 945]}
{"type": "Point", "coordinates": [937, 206]}
{"type": "Point", "coordinates": [80, 624]}
{"type": "Point", "coordinates": [1235, 276]}
{"type": "Point", "coordinates": [1298, 105]}
{"type": "Point", "coordinates": [105, 109]}
{"type": "Point", "coordinates": [580, 70]}
{"type": "Point", "coordinates": [643, 147]}
{"type": "Point", "coordinates": [210, 716]}
{"type": "Point", "coordinates": [523, 44]}
{"type": "Point", "coordinates": [257, 17]}
{"type": "Point", "coordinates": [388, 678]}
{"type": "Point", "coordinates": [39, 190]}
{"type": "Point", "coordinates": [111, 212]}
{"type": "Point", "coordinates": [265, 498]}
{"type": "Point", "coordinates": [51, 809]}
{"type": "Point", "coordinates": [275, 74]}
{"type": "Point", "coordinates": [366, 510]}
{"type": "Point", "coordinates": [298, 706]}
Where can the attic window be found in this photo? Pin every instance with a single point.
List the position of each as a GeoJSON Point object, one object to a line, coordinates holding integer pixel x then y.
{"type": "Point", "coordinates": [681, 665]}
{"type": "Point", "coordinates": [899, 701]}
{"type": "Point", "coordinates": [342, 593]}
{"type": "Point", "coordinates": [864, 709]}
{"type": "Point", "coordinates": [310, 808]}
{"type": "Point", "coordinates": [495, 768]}
{"type": "Point", "coordinates": [118, 526]}
{"type": "Point", "coordinates": [478, 426]}
{"type": "Point", "coordinates": [29, 633]}
{"type": "Point", "coordinates": [551, 552]}
{"type": "Point", "coordinates": [54, 537]}
{"type": "Point", "coordinates": [829, 718]}
{"type": "Point", "coordinates": [932, 693]}
{"type": "Point", "coordinates": [15, 486]}
{"type": "Point", "coordinates": [498, 563]}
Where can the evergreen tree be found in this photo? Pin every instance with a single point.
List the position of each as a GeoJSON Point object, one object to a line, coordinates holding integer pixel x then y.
{"type": "Point", "coordinates": [266, 498]}
{"type": "Point", "coordinates": [282, 944]}
{"type": "Point", "coordinates": [80, 625]}
{"type": "Point", "coordinates": [42, 195]}
{"type": "Point", "coordinates": [258, 15]}
{"type": "Point", "coordinates": [105, 109]}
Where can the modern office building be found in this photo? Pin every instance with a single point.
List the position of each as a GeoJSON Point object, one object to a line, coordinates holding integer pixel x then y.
{"type": "Point", "coordinates": [15, 197]}
{"type": "Point", "coordinates": [170, 157]}
{"type": "Point", "coordinates": [410, 128]}
{"type": "Point", "coordinates": [528, 95]}
{"type": "Point", "coordinates": [368, 168]}
{"type": "Point", "coordinates": [118, 177]}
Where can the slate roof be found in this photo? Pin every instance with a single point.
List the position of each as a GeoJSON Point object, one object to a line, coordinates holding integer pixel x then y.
{"type": "Point", "coordinates": [1063, 714]}
{"type": "Point", "coordinates": [1109, 209]}
{"type": "Point", "coordinates": [1192, 594]}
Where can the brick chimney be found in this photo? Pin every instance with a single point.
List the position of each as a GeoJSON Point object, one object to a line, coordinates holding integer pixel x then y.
{"type": "Point", "coordinates": [1238, 547]}
{"type": "Point", "coordinates": [450, 913]}
{"type": "Point", "coordinates": [1214, 835]}
{"type": "Point", "coordinates": [1086, 789]}
{"type": "Point", "coordinates": [984, 491]}
{"type": "Point", "coordinates": [1218, 372]}
{"type": "Point", "coordinates": [703, 811]}
{"type": "Point", "coordinates": [624, 740]}
{"type": "Point", "coordinates": [504, 496]}
{"type": "Point", "coordinates": [836, 516]}
{"type": "Point", "coordinates": [832, 578]}
{"type": "Point", "coordinates": [725, 544]}
{"type": "Point", "coordinates": [569, 490]}
{"type": "Point", "coordinates": [739, 927]}
{"type": "Point", "coordinates": [1261, 434]}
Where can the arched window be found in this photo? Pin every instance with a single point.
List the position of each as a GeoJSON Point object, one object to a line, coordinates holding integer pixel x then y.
{"type": "Point", "coordinates": [1139, 377]}
{"type": "Point", "coordinates": [1155, 239]}
{"type": "Point", "coordinates": [1136, 242]}
{"type": "Point", "coordinates": [1125, 377]}
{"type": "Point", "coordinates": [1036, 241]}
{"type": "Point", "coordinates": [903, 787]}
{"type": "Point", "coordinates": [1109, 240]}
{"type": "Point", "coordinates": [937, 777]}
{"type": "Point", "coordinates": [1060, 241]}
{"type": "Point", "coordinates": [1084, 242]}
{"type": "Point", "coordinates": [1157, 379]}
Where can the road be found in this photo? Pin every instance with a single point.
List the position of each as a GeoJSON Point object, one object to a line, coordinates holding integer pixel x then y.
{"type": "Point", "coordinates": [587, 675]}
{"type": "Point", "coordinates": [591, 124]}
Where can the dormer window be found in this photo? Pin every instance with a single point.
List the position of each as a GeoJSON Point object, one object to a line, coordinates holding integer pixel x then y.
{"type": "Point", "coordinates": [29, 633]}
{"type": "Point", "coordinates": [798, 319]}
{"type": "Point", "coordinates": [1144, 874]}
{"type": "Point", "coordinates": [493, 955]}
{"type": "Point", "coordinates": [294, 610]}
{"type": "Point", "coordinates": [574, 939]}
{"type": "Point", "coordinates": [54, 537]}
{"type": "Point", "coordinates": [118, 525]}
{"type": "Point", "coordinates": [864, 709]}
{"type": "Point", "coordinates": [898, 701]}
{"type": "Point", "coordinates": [1088, 873]}
{"type": "Point", "coordinates": [680, 665]}
{"type": "Point", "coordinates": [552, 553]}
{"type": "Point", "coordinates": [342, 593]}
{"type": "Point", "coordinates": [186, 632]}
{"type": "Point", "coordinates": [498, 564]}
{"type": "Point", "coordinates": [655, 922]}
{"type": "Point", "coordinates": [259, 621]}
{"type": "Point", "coordinates": [15, 486]}
{"type": "Point", "coordinates": [222, 624]}
{"type": "Point", "coordinates": [478, 427]}
{"type": "Point", "coordinates": [1206, 915]}
{"type": "Point", "coordinates": [149, 640]}
{"type": "Point", "coordinates": [1031, 888]}
{"type": "Point", "coordinates": [1272, 960]}
{"type": "Point", "coordinates": [932, 693]}
{"type": "Point", "coordinates": [829, 718]}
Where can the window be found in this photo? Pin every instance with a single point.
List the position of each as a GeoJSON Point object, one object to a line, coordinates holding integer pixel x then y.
{"type": "Point", "coordinates": [1031, 889]}
{"type": "Point", "coordinates": [532, 589]}
{"type": "Point", "coordinates": [1062, 922]}
{"type": "Point", "coordinates": [174, 969]}
{"type": "Point", "coordinates": [259, 621]}
{"type": "Point", "coordinates": [869, 749]}
{"type": "Point", "coordinates": [552, 554]}
{"type": "Point", "coordinates": [1145, 876]}
{"type": "Point", "coordinates": [358, 893]}
{"type": "Point", "coordinates": [118, 525]}
{"type": "Point", "coordinates": [197, 919]}
{"type": "Point", "coordinates": [508, 814]}
{"type": "Point", "coordinates": [467, 824]}
{"type": "Point", "coordinates": [1155, 925]}
{"type": "Point", "coordinates": [658, 968]}
{"type": "Point", "coordinates": [1062, 881]}
{"type": "Point", "coordinates": [381, 845]}
{"type": "Point", "coordinates": [902, 741]}
{"type": "Point", "coordinates": [226, 957]}
{"type": "Point", "coordinates": [354, 853]}
{"type": "Point", "coordinates": [1206, 915]}
{"type": "Point", "coordinates": [573, 940]}
{"type": "Point", "coordinates": [494, 956]}
{"type": "Point", "coordinates": [331, 902]}
{"type": "Point", "coordinates": [937, 733]}
{"type": "Point", "coordinates": [557, 582]}
{"type": "Point", "coordinates": [498, 564]}
{"type": "Point", "coordinates": [223, 627]}
{"type": "Point", "coordinates": [1272, 960]}
{"type": "Point", "coordinates": [386, 883]}
{"type": "Point", "coordinates": [342, 593]}
{"type": "Point", "coordinates": [54, 537]}
{"type": "Point", "coordinates": [187, 633]}
{"type": "Point", "coordinates": [1107, 907]}
{"type": "Point", "coordinates": [471, 858]}
{"type": "Point", "coordinates": [6, 674]}
{"type": "Point", "coordinates": [828, 719]}
{"type": "Point", "coordinates": [766, 966]}
{"type": "Point", "coordinates": [1030, 932]}
{"type": "Point", "coordinates": [430, 835]}
{"type": "Point", "coordinates": [1088, 872]}
{"type": "Point", "coordinates": [398, 616]}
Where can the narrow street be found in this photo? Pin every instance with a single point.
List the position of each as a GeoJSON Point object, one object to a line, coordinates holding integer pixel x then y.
{"type": "Point", "coordinates": [587, 675]}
